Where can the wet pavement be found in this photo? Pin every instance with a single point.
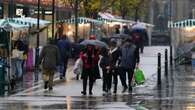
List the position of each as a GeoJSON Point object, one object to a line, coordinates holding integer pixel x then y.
{"type": "Point", "coordinates": [177, 92]}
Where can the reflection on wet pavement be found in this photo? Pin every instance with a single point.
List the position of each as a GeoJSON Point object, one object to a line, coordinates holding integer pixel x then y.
{"type": "Point", "coordinates": [177, 92]}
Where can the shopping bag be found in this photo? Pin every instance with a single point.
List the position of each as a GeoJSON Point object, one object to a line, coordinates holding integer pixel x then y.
{"type": "Point", "coordinates": [139, 76]}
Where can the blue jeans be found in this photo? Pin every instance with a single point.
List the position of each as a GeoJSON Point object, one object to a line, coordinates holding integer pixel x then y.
{"type": "Point", "coordinates": [18, 66]}
{"type": "Point", "coordinates": [62, 68]}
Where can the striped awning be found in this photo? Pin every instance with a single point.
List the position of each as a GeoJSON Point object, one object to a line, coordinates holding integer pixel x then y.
{"type": "Point", "coordinates": [80, 20]}
{"type": "Point", "coordinates": [182, 24]}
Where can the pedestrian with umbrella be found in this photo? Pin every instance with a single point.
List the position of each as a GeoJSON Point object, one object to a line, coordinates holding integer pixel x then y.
{"type": "Point", "coordinates": [88, 59]}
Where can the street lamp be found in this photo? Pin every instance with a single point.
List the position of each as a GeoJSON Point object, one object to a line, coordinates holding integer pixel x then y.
{"type": "Point", "coordinates": [53, 19]}
{"type": "Point", "coordinates": [37, 46]}
{"type": "Point", "coordinates": [76, 21]}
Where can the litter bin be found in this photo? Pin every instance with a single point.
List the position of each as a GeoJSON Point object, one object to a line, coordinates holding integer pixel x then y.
{"type": "Point", "coordinates": [2, 78]}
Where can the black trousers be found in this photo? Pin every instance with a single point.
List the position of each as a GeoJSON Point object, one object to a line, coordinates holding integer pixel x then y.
{"type": "Point", "coordinates": [124, 72]}
{"type": "Point", "coordinates": [88, 74]}
{"type": "Point", "coordinates": [115, 73]}
{"type": "Point", "coordinates": [107, 81]}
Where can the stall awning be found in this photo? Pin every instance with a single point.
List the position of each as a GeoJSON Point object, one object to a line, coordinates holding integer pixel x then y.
{"type": "Point", "coordinates": [182, 24]}
{"type": "Point", "coordinates": [81, 20]}
{"type": "Point", "coordinates": [10, 25]}
{"type": "Point", "coordinates": [31, 21]}
{"type": "Point", "coordinates": [107, 17]}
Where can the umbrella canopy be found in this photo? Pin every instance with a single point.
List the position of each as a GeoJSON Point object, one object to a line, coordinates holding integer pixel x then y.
{"type": "Point", "coordinates": [120, 36]}
{"type": "Point", "coordinates": [139, 26]}
{"type": "Point", "coordinates": [94, 42]}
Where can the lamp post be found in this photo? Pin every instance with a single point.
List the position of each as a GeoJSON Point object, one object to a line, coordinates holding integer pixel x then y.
{"type": "Point", "coordinates": [53, 19]}
{"type": "Point", "coordinates": [76, 20]}
{"type": "Point", "coordinates": [37, 46]}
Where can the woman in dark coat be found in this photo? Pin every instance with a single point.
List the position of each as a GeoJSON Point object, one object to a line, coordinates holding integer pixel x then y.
{"type": "Point", "coordinates": [107, 76]}
{"type": "Point", "coordinates": [88, 67]}
{"type": "Point", "coordinates": [114, 54]}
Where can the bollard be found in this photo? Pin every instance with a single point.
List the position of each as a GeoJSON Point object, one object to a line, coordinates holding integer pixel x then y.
{"type": "Point", "coordinates": [2, 79]}
{"type": "Point", "coordinates": [159, 69]}
{"type": "Point", "coordinates": [166, 62]}
{"type": "Point", "coordinates": [171, 55]}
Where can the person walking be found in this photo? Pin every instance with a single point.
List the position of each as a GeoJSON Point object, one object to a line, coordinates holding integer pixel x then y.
{"type": "Point", "coordinates": [49, 58]}
{"type": "Point", "coordinates": [88, 59]}
{"type": "Point", "coordinates": [114, 54]}
{"type": "Point", "coordinates": [65, 49]}
{"type": "Point", "coordinates": [129, 59]}
{"type": "Point", "coordinates": [17, 57]}
{"type": "Point", "coordinates": [107, 76]}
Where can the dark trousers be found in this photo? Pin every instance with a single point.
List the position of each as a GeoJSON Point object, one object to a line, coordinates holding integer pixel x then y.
{"type": "Point", "coordinates": [129, 72]}
{"type": "Point", "coordinates": [107, 81]}
{"type": "Point", "coordinates": [115, 73]}
{"type": "Point", "coordinates": [88, 74]}
{"type": "Point", "coordinates": [63, 68]}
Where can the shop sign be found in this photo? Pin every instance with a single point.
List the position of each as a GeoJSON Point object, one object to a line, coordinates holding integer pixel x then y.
{"type": "Point", "coordinates": [19, 11]}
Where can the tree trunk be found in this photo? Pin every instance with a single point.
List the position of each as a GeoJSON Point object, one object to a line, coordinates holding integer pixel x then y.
{"type": "Point", "coordinates": [136, 14]}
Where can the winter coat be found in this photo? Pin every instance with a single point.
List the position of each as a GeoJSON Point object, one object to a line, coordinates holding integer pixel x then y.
{"type": "Point", "coordinates": [115, 57]}
{"type": "Point", "coordinates": [105, 62]}
{"type": "Point", "coordinates": [50, 57]}
{"type": "Point", "coordinates": [87, 63]}
{"type": "Point", "coordinates": [65, 48]}
{"type": "Point", "coordinates": [128, 56]}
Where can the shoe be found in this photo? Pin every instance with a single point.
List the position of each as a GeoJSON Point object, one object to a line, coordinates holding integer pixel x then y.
{"type": "Point", "coordinates": [124, 89]}
{"type": "Point", "coordinates": [46, 85]}
{"type": "Point", "coordinates": [90, 93]}
{"type": "Point", "coordinates": [109, 92]}
{"type": "Point", "coordinates": [50, 88]}
{"type": "Point", "coordinates": [104, 93]}
{"type": "Point", "coordinates": [83, 92]}
{"type": "Point", "coordinates": [130, 89]}
{"type": "Point", "coordinates": [61, 77]}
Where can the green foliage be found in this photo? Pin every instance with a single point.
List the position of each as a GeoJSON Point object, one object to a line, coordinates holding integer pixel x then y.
{"type": "Point", "coordinates": [124, 8]}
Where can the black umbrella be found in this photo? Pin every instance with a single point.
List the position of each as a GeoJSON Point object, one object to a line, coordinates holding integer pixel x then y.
{"type": "Point", "coordinates": [120, 36]}
{"type": "Point", "coordinates": [94, 42]}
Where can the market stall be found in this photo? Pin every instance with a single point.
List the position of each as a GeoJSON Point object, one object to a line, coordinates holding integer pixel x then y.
{"type": "Point", "coordinates": [111, 22]}
{"type": "Point", "coordinates": [86, 27]}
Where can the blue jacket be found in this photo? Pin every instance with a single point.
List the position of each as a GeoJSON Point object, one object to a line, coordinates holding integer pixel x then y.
{"type": "Point", "coordinates": [65, 48]}
{"type": "Point", "coordinates": [128, 56]}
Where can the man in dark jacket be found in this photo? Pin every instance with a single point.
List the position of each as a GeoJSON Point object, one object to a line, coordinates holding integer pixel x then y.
{"type": "Point", "coordinates": [129, 58]}
{"type": "Point", "coordinates": [50, 58]}
{"type": "Point", "coordinates": [65, 48]}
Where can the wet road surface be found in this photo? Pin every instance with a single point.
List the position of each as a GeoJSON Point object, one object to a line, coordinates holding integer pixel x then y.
{"type": "Point", "coordinates": [177, 92]}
